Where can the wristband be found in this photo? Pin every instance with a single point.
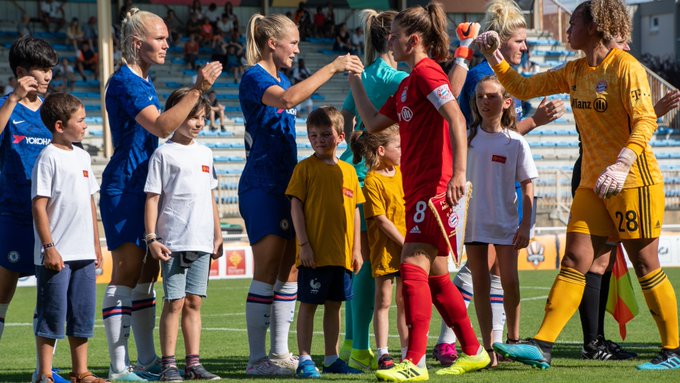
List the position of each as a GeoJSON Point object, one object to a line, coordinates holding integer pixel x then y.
{"type": "Point", "coordinates": [48, 245]}
{"type": "Point", "coordinates": [464, 53]}
{"type": "Point", "coordinates": [149, 236]}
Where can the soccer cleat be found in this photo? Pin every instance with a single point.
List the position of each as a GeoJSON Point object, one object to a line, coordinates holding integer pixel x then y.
{"type": "Point", "coordinates": [171, 374]}
{"type": "Point", "coordinates": [307, 370]}
{"type": "Point", "coordinates": [151, 371]}
{"type": "Point", "coordinates": [363, 360]}
{"type": "Point", "coordinates": [529, 353]}
{"type": "Point", "coordinates": [618, 352]}
{"type": "Point", "coordinates": [289, 362]}
{"type": "Point", "coordinates": [55, 377]}
{"type": "Point", "coordinates": [385, 362]}
{"type": "Point", "coordinates": [405, 371]}
{"type": "Point", "coordinates": [198, 372]}
{"type": "Point", "coordinates": [127, 375]}
{"type": "Point", "coordinates": [345, 350]}
{"type": "Point", "coordinates": [467, 363]}
{"type": "Point", "coordinates": [265, 367]}
{"type": "Point", "coordinates": [666, 360]}
{"type": "Point", "coordinates": [340, 367]}
{"type": "Point", "coordinates": [445, 353]}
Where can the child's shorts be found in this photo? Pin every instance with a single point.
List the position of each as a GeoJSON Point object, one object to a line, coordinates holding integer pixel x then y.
{"type": "Point", "coordinates": [178, 281]}
{"type": "Point", "coordinates": [265, 213]}
{"type": "Point", "coordinates": [67, 297]}
{"type": "Point", "coordinates": [16, 247]}
{"type": "Point", "coordinates": [328, 283]}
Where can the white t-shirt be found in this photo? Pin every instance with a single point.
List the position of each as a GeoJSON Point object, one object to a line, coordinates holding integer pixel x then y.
{"type": "Point", "coordinates": [183, 175]}
{"type": "Point", "coordinates": [495, 162]}
{"type": "Point", "coordinates": [67, 179]}
{"type": "Point", "coordinates": [52, 9]}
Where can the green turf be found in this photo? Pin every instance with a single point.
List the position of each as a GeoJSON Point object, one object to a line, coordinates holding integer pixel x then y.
{"type": "Point", "coordinates": [225, 347]}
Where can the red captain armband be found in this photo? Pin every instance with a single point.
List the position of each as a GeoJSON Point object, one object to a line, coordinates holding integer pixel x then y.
{"type": "Point", "coordinates": [465, 53]}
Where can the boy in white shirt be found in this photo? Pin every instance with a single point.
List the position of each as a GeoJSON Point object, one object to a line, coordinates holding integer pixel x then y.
{"type": "Point", "coordinates": [67, 249]}
{"type": "Point", "coordinates": [183, 231]}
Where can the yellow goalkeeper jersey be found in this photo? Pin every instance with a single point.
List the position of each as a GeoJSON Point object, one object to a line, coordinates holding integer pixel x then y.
{"type": "Point", "coordinates": [612, 105]}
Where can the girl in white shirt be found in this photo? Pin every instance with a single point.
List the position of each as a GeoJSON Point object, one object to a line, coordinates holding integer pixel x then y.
{"type": "Point", "coordinates": [498, 157]}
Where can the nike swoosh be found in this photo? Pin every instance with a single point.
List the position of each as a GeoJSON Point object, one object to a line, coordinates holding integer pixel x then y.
{"type": "Point", "coordinates": [467, 31]}
{"type": "Point", "coordinates": [15, 122]}
{"type": "Point", "coordinates": [150, 98]}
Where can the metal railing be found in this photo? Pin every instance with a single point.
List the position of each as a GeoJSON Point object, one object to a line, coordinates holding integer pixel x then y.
{"type": "Point", "coordinates": [660, 88]}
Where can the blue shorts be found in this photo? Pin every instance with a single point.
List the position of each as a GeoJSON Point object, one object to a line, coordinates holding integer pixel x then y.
{"type": "Point", "coordinates": [66, 298]}
{"type": "Point", "coordinates": [16, 248]}
{"type": "Point", "coordinates": [328, 283]}
{"type": "Point", "coordinates": [179, 281]}
{"type": "Point", "coordinates": [123, 218]}
{"type": "Point", "coordinates": [265, 214]}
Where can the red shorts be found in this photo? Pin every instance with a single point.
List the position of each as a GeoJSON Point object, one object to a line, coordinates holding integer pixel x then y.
{"type": "Point", "coordinates": [422, 227]}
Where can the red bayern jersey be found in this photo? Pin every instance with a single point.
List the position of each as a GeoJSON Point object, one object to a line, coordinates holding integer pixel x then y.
{"type": "Point", "coordinates": [427, 156]}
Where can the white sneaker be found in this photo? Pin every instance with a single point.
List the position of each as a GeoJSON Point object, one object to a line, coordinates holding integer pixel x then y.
{"type": "Point", "coordinates": [265, 367]}
{"type": "Point", "coordinates": [127, 375]}
{"type": "Point", "coordinates": [290, 362]}
{"type": "Point", "coordinates": [150, 372]}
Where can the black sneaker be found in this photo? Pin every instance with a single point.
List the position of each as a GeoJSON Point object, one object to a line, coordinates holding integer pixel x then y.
{"type": "Point", "coordinates": [596, 350]}
{"type": "Point", "coordinates": [198, 372]}
{"type": "Point", "coordinates": [171, 374]}
{"type": "Point", "coordinates": [618, 352]}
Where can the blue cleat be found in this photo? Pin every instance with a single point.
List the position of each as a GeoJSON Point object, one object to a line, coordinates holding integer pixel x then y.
{"type": "Point", "coordinates": [340, 367]}
{"type": "Point", "coordinates": [307, 370]}
{"type": "Point", "coordinates": [666, 360]}
{"type": "Point", "coordinates": [529, 353]}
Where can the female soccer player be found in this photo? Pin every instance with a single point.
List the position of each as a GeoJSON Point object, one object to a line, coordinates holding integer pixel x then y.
{"type": "Point", "coordinates": [136, 123]}
{"type": "Point", "coordinates": [434, 161]}
{"type": "Point", "coordinates": [268, 102]}
{"type": "Point", "coordinates": [621, 189]}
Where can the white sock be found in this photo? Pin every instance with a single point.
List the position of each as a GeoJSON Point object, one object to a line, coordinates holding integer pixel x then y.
{"type": "Point", "coordinates": [382, 351]}
{"type": "Point", "coordinates": [497, 310]}
{"type": "Point", "coordinates": [404, 350]}
{"type": "Point", "coordinates": [144, 322]}
{"type": "Point", "coordinates": [462, 281]}
{"type": "Point", "coordinates": [3, 312]}
{"type": "Point", "coordinates": [283, 312]}
{"type": "Point", "coordinates": [117, 311]}
{"type": "Point", "coordinates": [258, 311]}
{"type": "Point", "coordinates": [421, 362]}
{"type": "Point", "coordinates": [329, 359]}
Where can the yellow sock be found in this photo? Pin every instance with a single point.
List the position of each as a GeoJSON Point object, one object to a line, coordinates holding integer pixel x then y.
{"type": "Point", "coordinates": [662, 303]}
{"type": "Point", "coordinates": [563, 301]}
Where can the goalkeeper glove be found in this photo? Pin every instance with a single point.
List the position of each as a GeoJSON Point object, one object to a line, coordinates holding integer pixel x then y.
{"type": "Point", "coordinates": [611, 181]}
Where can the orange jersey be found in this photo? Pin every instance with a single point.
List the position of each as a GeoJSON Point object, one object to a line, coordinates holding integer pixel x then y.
{"type": "Point", "coordinates": [612, 106]}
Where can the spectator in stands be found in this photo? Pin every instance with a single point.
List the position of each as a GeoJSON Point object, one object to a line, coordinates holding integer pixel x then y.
{"type": "Point", "coordinates": [11, 85]}
{"type": "Point", "coordinates": [232, 61]}
{"type": "Point", "coordinates": [229, 10]}
{"type": "Point", "coordinates": [65, 73]}
{"type": "Point", "coordinates": [87, 59]}
{"type": "Point", "coordinates": [225, 25]}
{"type": "Point", "coordinates": [330, 21]}
{"type": "Point", "coordinates": [206, 32]}
{"type": "Point", "coordinates": [90, 31]}
{"type": "Point", "coordinates": [136, 123]}
{"type": "Point", "coordinates": [196, 9]}
{"type": "Point", "coordinates": [191, 48]}
{"type": "Point", "coordinates": [343, 42]}
{"type": "Point", "coordinates": [267, 105]}
{"type": "Point", "coordinates": [174, 25]}
{"type": "Point", "coordinates": [357, 40]}
{"type": "Point", "coordinates": [303, 20]}
{"type": "Point", "coordinates": [319, 22]}
{"type": "Point", "coordinates": [24, 26]}
{"type": "Point", "coordinates": [193, 25]}
{"type": "Point", "coordinates": [52, 12]}
{"type": "Point", "coordinates": [74, 33]}
{"type": "Point", "coordinates": [213, 14]}
{"type": "Point", "coordinates": [216, 110]}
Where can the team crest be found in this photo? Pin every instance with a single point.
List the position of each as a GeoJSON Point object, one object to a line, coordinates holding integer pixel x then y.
{"type": "Point", "coordinates": [601, 86]}
{"type": "Point", "coordinates": [13, 256]}
{"type": "Point", "coordinates": [284, 224]}
{"type": "Point", "coordinates": [403, 94]}
{"type": "Point", "coordinates": [453, 220]}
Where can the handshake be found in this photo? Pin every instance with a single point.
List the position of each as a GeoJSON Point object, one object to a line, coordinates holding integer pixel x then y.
{"type": "Point", "coordinates": [468, 33]}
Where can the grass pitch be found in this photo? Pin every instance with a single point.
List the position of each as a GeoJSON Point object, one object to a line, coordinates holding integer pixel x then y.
{"type": "Point", "coordinates": [224, 347]}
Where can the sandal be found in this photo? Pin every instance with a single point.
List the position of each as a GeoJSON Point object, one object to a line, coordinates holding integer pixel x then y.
{"type": "Point", "coordinates": [86, 377]}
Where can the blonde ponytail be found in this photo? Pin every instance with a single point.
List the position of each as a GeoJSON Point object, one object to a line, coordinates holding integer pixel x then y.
{"type": "Point", "coordinates": [262, 28]}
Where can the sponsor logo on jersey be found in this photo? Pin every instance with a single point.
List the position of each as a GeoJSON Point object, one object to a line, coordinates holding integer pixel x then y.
{"type": "Point", "coordinates": [292, 111]}
{"type": "Point", "coordinates": [17, 122]}
{"type": "Point", "coordinates": [205, 168]}
{"type": "Point", "coordinates": [86, 173]}
{"type": "Point", "coordinates": [415, 230]}
{"type": "Point", "coordinates": [497, 158]}
{"type": "Point", "coordinates": [315, 285]}
{"type": "Point", "coordinates": [406, 114]}
{"type": "Point", "coordinates": [348, 192]}
{"type": "Point", "coordinates": [601, 86]}
{"type": "Point", "coordinates": [44, 141]}
{"type": "Point", "coordinates": [403, 94]}
{"type": "Point", "coordinates": [636, 94]}
{"type": "Point", "coordinates": [600, 104]}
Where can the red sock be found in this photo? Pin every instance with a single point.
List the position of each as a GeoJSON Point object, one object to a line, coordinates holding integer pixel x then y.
{"type": "Point", "coordinates": [418, 308]}
{"type": "Point", "coordinates": [451, 307]}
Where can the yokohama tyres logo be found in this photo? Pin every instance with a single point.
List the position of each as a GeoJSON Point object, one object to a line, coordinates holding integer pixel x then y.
{"type": "Point", "coordinates": [17, 139]}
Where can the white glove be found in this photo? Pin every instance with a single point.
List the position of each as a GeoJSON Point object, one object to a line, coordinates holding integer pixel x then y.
{"type": "Point", "coordinates": [611, 181]}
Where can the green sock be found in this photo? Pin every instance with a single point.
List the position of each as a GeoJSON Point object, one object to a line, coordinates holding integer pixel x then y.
{"type": "Point", "coordinates": [363, 302]}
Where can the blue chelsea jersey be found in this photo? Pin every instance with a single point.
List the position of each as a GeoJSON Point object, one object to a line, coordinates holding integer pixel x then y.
{"type": "Point", "coordinates": [126, 95]}
{"type": "Point", "coordinates": [23, 138]}
{"type": "Point", "coordinates": [271, 151]}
